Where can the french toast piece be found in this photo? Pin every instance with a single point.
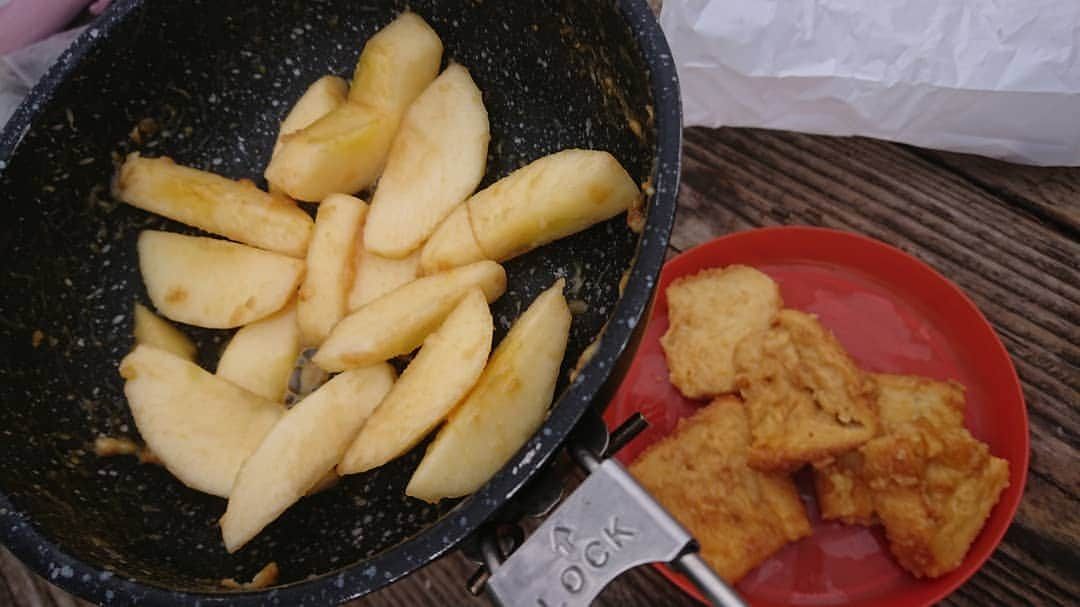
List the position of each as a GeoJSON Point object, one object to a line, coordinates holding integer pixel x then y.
{"type": "Point", "coordinates": [740, 516]}
{"type": "Point", "coordinates": [805, 398]}
{"type": "Point", "coordinates": [710, 312]}
{"type": "Point", "coordinates": [841, 491]}
{"type": "Point", "coordinates": [933, 488]}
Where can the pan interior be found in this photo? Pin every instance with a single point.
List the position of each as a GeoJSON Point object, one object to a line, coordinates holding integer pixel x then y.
{"type": "Point", "coordinates": [207, 83]}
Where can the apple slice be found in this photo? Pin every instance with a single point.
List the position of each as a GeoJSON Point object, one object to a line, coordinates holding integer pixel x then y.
{"type": "Point", "coordinates": [200, 426]}
{"type": "Point", "coordinates": [377, 275]}
{"type": "Point", "coordinates": [234, 209]}
{"type": "Point", "coordinates": [345, 150]}
{"type": "Point", "coordinates": [324, 295]}
{"type": "Point", "coordinates": [445, 131]}
{"type": "Point", "coordinates": [323, 96]}
{"type": "Point", "coordinates": [441, 373]}
{"type": "Point", "coordinates": [453, 244]}
{"type": "Point", "coordinates": [328, 481]}
{"type": "Point", "coordinates": [214, 283]}
{"type": "Point", "coordinates": [545, 200]}
{"type": "Point", "coordinates": [548, 199]}
{"type": "Point", "coordinates": [261, 356]}
{"type": "Point", "coordinates": [296, 454]}
{"type": "Point", "coordinates": [398, 322]}
{"type": "Point", "coordinates": [397, 64]}
{"type": "Point", "coordinates": [505, 408]}
{"type": "Point", "coordinates": [152, 330]}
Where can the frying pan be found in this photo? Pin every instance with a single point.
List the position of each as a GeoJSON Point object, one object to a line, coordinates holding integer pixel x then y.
{"type": "Point", "coordinates": [207, 82]}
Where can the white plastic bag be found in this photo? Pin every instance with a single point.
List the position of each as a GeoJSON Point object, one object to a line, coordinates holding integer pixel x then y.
{"type": "Point", "coordinates": [21, 69]}
{"type": "Point", "coordinates": [999, 78]}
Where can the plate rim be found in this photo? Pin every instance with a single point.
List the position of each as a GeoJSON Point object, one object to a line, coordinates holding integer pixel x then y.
{"type": "Point", "coordinates": [673, 268]}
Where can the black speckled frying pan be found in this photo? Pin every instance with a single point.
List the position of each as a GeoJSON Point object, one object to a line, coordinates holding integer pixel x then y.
{"type": "Point", "coordinates": [207, 82]}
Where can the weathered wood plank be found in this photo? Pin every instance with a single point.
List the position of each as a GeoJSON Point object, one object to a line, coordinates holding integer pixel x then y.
{"type": "Point", "coordinates": [1049, 193]}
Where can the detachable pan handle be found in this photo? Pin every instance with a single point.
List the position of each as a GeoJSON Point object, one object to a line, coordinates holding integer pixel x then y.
{"type": "Point", "coordinates": [607, 526]}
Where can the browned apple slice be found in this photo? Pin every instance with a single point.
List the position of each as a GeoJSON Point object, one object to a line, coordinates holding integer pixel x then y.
{"type": "Point", "coordinates": [214, 283]}
{"type": "Point", "coordinates": [331, 264]}
{"type": "Point", "coordinates": [234, 209]}
{"type": "Point", "coordinates": [296, 454]}
{"type": "Point", "coordinates": [200, 426]}
{"type": "Point", "coordinates": [441, 373]}
{"type": "Point", "coordinates": [262, 355]}
{"type": "Point", "coordinates": [152, 330]}
{"type": "Point", "coordinates": [445, 132]}
{"type": "Point", "coordinates": [398, 322]}
{"type": "Point", "coordinates": [507, 405]}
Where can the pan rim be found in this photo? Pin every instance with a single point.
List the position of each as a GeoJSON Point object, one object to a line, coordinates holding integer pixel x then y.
{"type": "Point", "coordinates": [49, 560]}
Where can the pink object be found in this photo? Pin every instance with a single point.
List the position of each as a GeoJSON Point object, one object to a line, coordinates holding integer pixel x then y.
{"type": "Point", "coordinates": [24, 22]}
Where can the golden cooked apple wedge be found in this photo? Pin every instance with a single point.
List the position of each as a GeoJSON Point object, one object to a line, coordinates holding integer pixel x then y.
{"type": "Point", "coordinates": [505, 407]}
{"type": "Point", "coordinates": [345, 150]}
{"type": "Point", "coordinates": [437, 378]}
{"type": "Point", "coordinates": [261, 356]}
{"type": "Point", "coordinates": [331, 259]}
{"type": "Point", "coordinates": [234, 209]}
{"type": "Point", "coordinates": [323, 96]}
{"type": "Point", "coordinates": [152, 330]}
{"type": "Point", "coordinates": [543, 201]}
{"type": "Point", "coordinates": [397, 64]}
{"type": "Point", "coordinates": [200, 426]}
{"type": "Point", "coordinates": [453, 244]}
{"type": "Point", "coordinates": [214, 283]}
{"type": "Point", "coordinates": [398, 322]}
{"type": "Point", "coordinates": [296, 454]}
{"type": "Point", "coordinates": [436, 161]}
{"type": "Point", "coordinates": [377, 275]}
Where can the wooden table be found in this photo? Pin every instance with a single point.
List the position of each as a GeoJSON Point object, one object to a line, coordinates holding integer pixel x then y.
{"type": "Point", "coordinates": [1009, 235]}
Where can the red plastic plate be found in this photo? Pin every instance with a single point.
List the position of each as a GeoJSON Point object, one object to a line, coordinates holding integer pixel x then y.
{"type": "Point", "coordinates": [893, 313]}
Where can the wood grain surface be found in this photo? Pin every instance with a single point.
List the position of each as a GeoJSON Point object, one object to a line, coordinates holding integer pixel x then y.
{"type": "Point", "coordinates": [1008, 235]}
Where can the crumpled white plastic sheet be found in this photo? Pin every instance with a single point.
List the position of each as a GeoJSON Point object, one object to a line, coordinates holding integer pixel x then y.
{"type": "Point", "coordinates": [20, 70]}
{"type": "Point", "coordinates": [999, 78]}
